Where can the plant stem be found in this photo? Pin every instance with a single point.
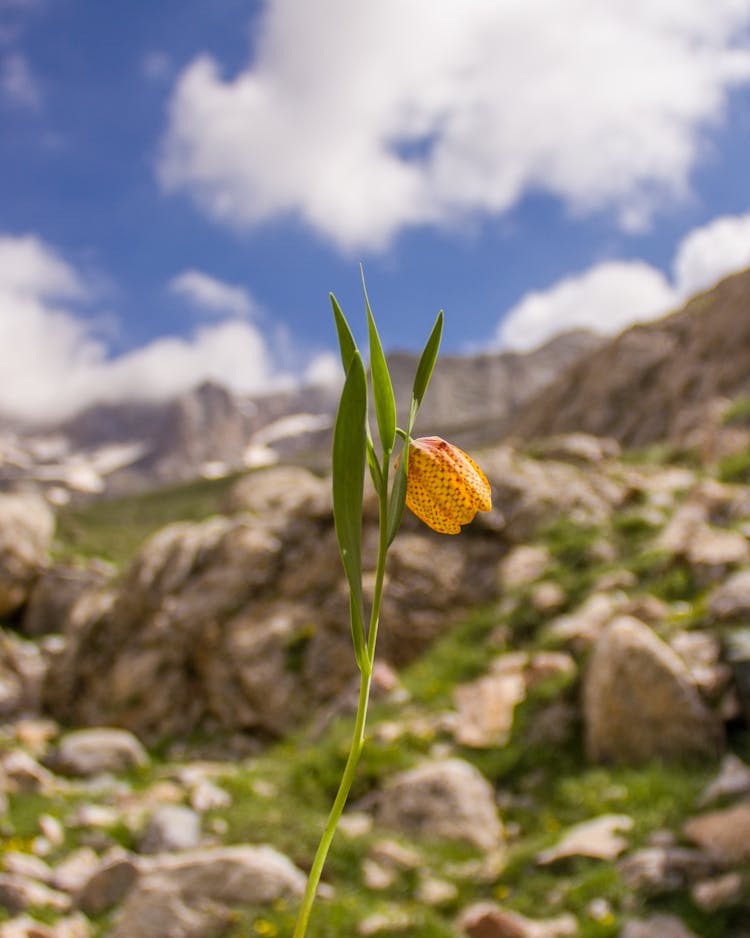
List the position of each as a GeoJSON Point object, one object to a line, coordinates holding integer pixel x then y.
{"type": "Point", "coordinates": [358, 740]}
{"type": "Point", "coordinates": [358, 736]}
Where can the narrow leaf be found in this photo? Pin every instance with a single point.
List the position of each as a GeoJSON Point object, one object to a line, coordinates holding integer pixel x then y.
{"type": "Point", "coordinates": [382, 388]}
{"type": "Point", "coordinates": [349, 456]}
{"type": "Point", "coordinates": [427, 361]}
{"type": "Point", "coordinates": [398, 498]}
{"type": "Point", "coordinates": [376, 472]}
{"type": "Point", "coordinates": [346, 340]}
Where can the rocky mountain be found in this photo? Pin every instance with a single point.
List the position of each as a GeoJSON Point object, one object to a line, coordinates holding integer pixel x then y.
{"type": "Point", "coordinates": [664, 380]}
{"type": "Point", "coordinates": [133, 446]}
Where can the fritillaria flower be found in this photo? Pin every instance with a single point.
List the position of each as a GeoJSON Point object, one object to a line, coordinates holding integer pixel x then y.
{"type": "Point", "coordinates": [445, 488]}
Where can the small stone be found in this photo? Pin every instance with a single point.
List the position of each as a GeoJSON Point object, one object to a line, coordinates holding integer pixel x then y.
{"type": "Point", "coordinates": [355, 824]}
{"type": "Point", "coordinates": [94, 751]}
{"type": "Point", "coordinates": [489, 920]}
{"type": "Point", "coordinates": [663, 926]}
{"type": "Point", "coordinates": [547, 596]}
{"type": "Point", "coordinates": [376, 876]}
{"type": "Point", "coordinates": [108, 885]}
{"type": "Point", "coordinates": [52, 830]}
{"type": "Point", "coordinates": [662, 869]}
{"type": "Point", "coordinates": [206, 796]}
{"type": "Point", "coordinates": [27, 865]}
{"type": "Point", "coordinates": [433, 891]}
{"type": "Point", "coordinates": [733, 779]}
{"type": "Point", "coordinates": [724, 834]}
{"type": "Point", "coordinates": [24, 774]}
{"type": "Point", "coordinates": [597, 838]}
{"type": "Point", "coordinates": [710, 894]}
{"type": "Point", "coordinates": [71, 874]}
{"type": "Point", "coordinates": [443, 798]}
{"type": "Point", "coordinates": [171, 827]}
{"type": "Point", "coordinates": [486, 707]}
{"type": "Point", "coordinates": [18, 893]}
{"type": "Point", "coordinates": [523, 565]}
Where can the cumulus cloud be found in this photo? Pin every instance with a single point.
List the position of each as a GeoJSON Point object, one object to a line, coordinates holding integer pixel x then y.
{"type": "Point", "coordinates": [212, 295]}
{"type": "Point", "coordinates": [709, 253]}
{"type": "Point", "coordinates": [604, 299]}
{"type": "Point", "coordinates": [615, 294]}
{"type": "Point", "coordinates": [420, 113]}
{"type": "Point", "coordinates": [53, 363]}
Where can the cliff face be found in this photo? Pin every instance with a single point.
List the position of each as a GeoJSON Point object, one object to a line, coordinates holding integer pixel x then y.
{"type": "Point", "coordinates": [657, 381]}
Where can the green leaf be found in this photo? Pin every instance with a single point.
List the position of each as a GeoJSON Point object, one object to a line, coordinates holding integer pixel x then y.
{"type": "Point", "coordinates": [376, 472]}
{"type": "Point", "coordinates": [427, 362]}
{"type": "Point", "coordinates": [349, 456]}
{"type": "Point", "coordinates": [398, 497]}
{"type": "Point", "coordinates": [346, 340]}
{"type": "Point", "coordinates": [382, 388]}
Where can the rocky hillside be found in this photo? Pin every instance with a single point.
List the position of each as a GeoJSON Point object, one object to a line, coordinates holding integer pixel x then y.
{"type": "Point", "coordinates": [558, 743]}
{"type": "Point", "coordinates": [128, 447]}
{"type": "Point", "coordinates": [665, 380]}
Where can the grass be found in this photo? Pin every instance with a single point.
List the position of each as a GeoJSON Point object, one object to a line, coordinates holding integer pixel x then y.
{"type": "Point", "coordinates": [114, 529]}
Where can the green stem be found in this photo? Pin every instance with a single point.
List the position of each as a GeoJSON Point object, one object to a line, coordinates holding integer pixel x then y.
{"type": "Point", "coordinates": [358, 736]}
{"type": "Point", "coordinates": [358, 741]}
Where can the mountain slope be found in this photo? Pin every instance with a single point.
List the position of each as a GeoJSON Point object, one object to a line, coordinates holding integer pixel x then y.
{"type": "Point", "coordinates": [656, 381]}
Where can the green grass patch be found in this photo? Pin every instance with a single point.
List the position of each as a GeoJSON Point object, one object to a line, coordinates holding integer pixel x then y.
{"type": "Point", "coordinates": [114, 529]}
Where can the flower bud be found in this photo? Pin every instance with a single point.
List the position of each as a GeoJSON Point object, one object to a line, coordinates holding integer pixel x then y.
{"type": "Point", "coordinates": [445, 488]}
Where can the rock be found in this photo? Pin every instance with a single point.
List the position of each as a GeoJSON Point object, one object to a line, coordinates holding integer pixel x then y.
{"type": "Point", "coordinates": [597, 838]}
{"type": "Point", "coordinates": [486, 706]}
{"type": "Point", "coordinates": [184, 895]}
{"type": "Point", "coordinates": [281, 490]}
{"type": "Point", "coordinates": [24, 774]}
{"type": "Point", "coordinates": [435, 892]}
{"type": "Point", "coordinates": [527, 492]}
{"type": "Point", "coordinates": [488, 920]}
{"type": "Point", "coordinates": [108, 884]}
{"type": "Point", "coordinates": [724, 834]}
{"type": "Point", "coordinates": [701, 652]}
{"type": "Point", "coordinates": [720, 891]}
{"type": "Point", "coordinates": [583, 626]}
{"type": "Point", "coordinates": [733, 779]}
{"type": "Point", "coordinates": [663, 869]}
{"type": "Point", "coordinates": [639, 701]}
{"type": "Point", "coordinates": [26, 527]}
{"type": "Point", "coordinates": [578, 448]}
{"type": "Point", "coordinates": [72, 926]}
{"type": "Point", "coordinates": [257, 874]}
{"type": "Point", "coordinates": [547, 596]}
{"type": "Point", "coordinates": [19, 893]}
{"type": "Point", "coordinates": [171, 827]}
{"type": "Point", "coordinates": [207, 796]}
{"type": "Point", "coordinates": [657, 926]}
{"type": "Point", "coordinates": [523, 565]}
{"type": "Point", "coordinates": [711, 551]}
{"type": "Point", "coordinates": [93, 751]}
{"type": "Point", "coordinates": [152, 911]}
{"type": "Point", "coordinates": [731, 599]}
{"type": "Point", "coordinates": [443, 798]}
{"type": "Point", "coordinates": [56, 592]}
{"type": "Point", "coordinates": [72, 873]}
{"type": "Point", "coordinates": [22, 674]}
{"type": "Point", "coordinates": [27, 866]}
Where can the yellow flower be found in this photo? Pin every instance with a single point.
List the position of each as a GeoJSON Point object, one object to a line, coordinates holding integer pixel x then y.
{"type": "Point", "coordinates": [445, 488]}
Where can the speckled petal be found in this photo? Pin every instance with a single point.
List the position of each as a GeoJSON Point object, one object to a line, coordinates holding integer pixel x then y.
{"type": "Point", "coordinates": [445, 487]}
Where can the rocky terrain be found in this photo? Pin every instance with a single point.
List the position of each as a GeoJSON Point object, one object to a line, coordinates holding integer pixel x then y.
{"type": "Point", "coordinates": [667, 380]}
{"type": "Point", "coordinates": [134, 446]}
{"type": "Point", "coordinates": [558, 743]}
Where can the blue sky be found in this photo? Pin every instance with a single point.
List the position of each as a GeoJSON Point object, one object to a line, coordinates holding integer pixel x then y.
{"type": "Point", "coordinates": [182, 183]}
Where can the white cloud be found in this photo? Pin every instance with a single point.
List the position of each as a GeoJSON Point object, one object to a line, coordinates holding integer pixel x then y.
{"type": "Point", "coordinates": [215, 296]}
{"type": "Point", "coordinates": [710, 253]}
{"type": "Point", "coordinates": [615, 294]}
{"type": "Point", "coordinates": [363, 119]}
{"type": "Point", "coordinates": [605, 299]}
{"type": "Point", "coordinates": [18, 86]}
{"type": "Point", "coordinates": [53, 362]}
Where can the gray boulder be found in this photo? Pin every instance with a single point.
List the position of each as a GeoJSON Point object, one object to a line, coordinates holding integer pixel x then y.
{"type": "Point", "coordinates": [443, 798]}
{"type": "Point", "coordinates": [26, 528]}
{"type": "Point", "coordinates": [639, 701]}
